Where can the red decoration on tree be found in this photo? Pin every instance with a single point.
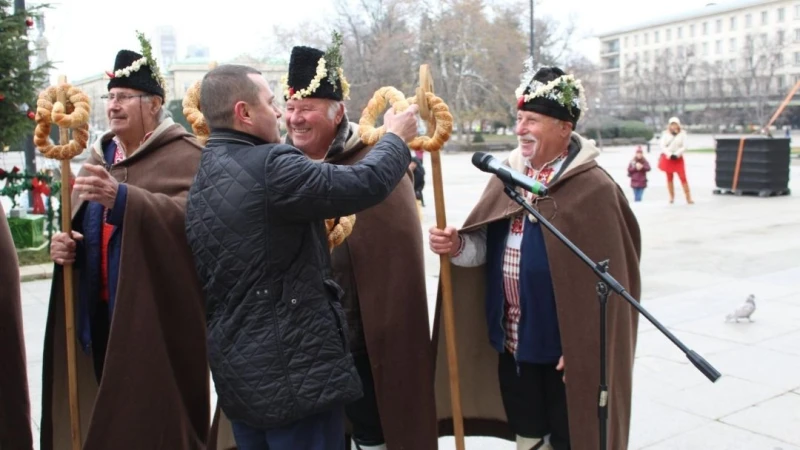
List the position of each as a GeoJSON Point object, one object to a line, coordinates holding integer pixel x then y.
{"type": "Point", "coordinates": [39, 188]}
{"type": "Point", "coordinates": [29, 22]}
{"type": "Point", "coordinates": [31, 115]}
{"type": "Point", "coordinates": [2, 97]}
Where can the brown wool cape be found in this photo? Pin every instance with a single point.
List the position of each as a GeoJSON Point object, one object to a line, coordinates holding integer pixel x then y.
{"type": "Point", "coordinates": [387, 260]}
{"type": "Point", "coordinates": [15, 407]}
{"type": "Point", "coordinates": [155, 388]}
{"type": "Point", "coordinates": [594, 214]}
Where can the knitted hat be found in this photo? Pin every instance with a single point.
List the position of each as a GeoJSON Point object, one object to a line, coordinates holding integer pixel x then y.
{"type": "Point", "coordinates": [553, 93]}
{"type": "Point", "coordinates": [316, 74]}
{"type": "Point", "coordinates": [135, 71]}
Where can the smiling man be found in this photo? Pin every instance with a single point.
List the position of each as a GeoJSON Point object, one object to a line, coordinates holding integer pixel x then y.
{"type": "Point", "coordinates": [380, 267]}
{"type": "Point", "coordinates": [535, 379]}
{"type": "Point", "coordinates": [142, 366]}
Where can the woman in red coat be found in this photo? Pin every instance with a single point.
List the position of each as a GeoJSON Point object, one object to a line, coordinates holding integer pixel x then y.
{"type": "Point", "coordinates": [673, 144]}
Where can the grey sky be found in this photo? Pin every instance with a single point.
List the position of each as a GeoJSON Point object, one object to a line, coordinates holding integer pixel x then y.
{"type": "Point", "coordinates": [85, 35]}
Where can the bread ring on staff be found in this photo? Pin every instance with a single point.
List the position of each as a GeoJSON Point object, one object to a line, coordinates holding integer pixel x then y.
{"type": "Point", "coordinates": [73, 115]}
{"type": "Point", "coordinates": [339, 229]}
{"type": "Point", "coordinates": [195, 117]}
{"type": "Point", "coordinates": [377, 104]}
{"type": "Point", "coordinates": [441, 115]}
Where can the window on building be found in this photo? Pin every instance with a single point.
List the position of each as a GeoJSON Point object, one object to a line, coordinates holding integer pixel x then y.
{"type": "Point", "coordinates": [636, 40]}
{"type": "Point", "coordinates": [655, 36]}
{"type": "Point", "coordinates": [764, 39]}
{"type": "Point", "coordinates": [719, 47]}
{"type": "Point", "coordinates": [646, 35]}
{"type": "Point", "coordinates": [719, 25]}
{"type": "Point", "coordinates": [797, 34]}
{"type": "Point", "coordinates": [732, 64]}
{"type": "Point", "coordinates": [705, 28]}
{"type": "Point", "coordinates": [646, 56]}
{"type": "Point", "coordinates": [764, 17]}
{"type": "Point", "coordinates": [732, 45]}
{"type": "Point", "coordinates": [781, 14]}
{"type": "Point", "coordinates": [781, 36]}
{"type": "Point", "coordinates": [705, 48]}
{"type": "Point", "coordinates": [680, 32]}
{"type": "Point", "coordinates": [691, 30]}
{"type": "Point", "coordinates": [669, 35]}
{"type": "Point", "coordinates": [781, 82]}
{"type": "Point", "coordinates": [797, 11]}
{"type": "Point", "coordinates": [779, 59]}
{"type": "Point", "coordinates": [733, 23]}
{"type": "Point", "coordinates": [625, 41]}
{"type": "Point", "coordinates": [797, 58]}
{"type": "Point", "coordinates": [748, 20]}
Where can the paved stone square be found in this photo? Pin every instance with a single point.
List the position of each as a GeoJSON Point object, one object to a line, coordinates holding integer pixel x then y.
{"type": "Point", "coordinates": [699, 262]}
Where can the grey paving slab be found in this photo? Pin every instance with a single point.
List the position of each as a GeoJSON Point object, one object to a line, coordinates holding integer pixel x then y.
{"type": "Point", "coordinates": [776, 417]}
{"type": "Point", "coordinates": [721, 436]}
{"type": "Point", "coordinates": [727, 396]}
{"type": "Point", "coordinates": [653, 422]}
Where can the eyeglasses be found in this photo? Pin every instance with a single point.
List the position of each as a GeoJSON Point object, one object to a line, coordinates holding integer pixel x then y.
{"type": "Point", "coordinates": [121, 98]}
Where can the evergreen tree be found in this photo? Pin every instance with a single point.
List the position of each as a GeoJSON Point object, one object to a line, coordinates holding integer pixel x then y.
{"type": "Point", "coordinates": [19, 82]}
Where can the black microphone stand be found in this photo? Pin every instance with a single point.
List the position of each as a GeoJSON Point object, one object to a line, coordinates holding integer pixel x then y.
{"type": "Point", "coordinates": [608, 282]}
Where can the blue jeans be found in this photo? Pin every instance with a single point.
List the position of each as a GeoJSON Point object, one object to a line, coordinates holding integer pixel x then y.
{"type": "Point", "coordinates": [324, 431]}
{"type": "Point", "coordinates": [637, 194]}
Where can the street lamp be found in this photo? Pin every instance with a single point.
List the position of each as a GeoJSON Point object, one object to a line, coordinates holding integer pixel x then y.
{"type": "Point", "coordinates": [532, 30]}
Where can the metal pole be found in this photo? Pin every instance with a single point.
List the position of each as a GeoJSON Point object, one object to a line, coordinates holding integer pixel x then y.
{"type": "Point", "coordinates": [532, 56]}
{"type": "Point", "coordinates": [27, 144]}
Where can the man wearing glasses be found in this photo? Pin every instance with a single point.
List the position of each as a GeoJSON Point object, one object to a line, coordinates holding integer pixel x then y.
{"type": "Point", "coordinates": [140, 322]}
{"type": "Point", "coordinates": [537, 374]}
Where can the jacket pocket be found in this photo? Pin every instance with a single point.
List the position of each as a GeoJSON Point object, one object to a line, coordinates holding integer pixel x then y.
{"type": "Point", "coordinates": [338, 312]}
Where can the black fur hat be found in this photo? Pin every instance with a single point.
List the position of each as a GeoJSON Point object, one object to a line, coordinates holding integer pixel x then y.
{"type": "Point", "coordinates": [563, 102]}
{"type": "Point", "coordinates": [303, 65]}
{"type": "Point", "coordinates": [141, 79]}
{"type": "Point", "coordinates": [303, 69]}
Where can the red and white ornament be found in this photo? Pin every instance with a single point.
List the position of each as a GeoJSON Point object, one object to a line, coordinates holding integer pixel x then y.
{"type": "Point", "coordinates": [29, 22]}
{"type": "Point", "coordinates": [31, 115]}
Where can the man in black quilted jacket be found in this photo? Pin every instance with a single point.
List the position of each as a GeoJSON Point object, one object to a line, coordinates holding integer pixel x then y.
{"type": "Point", "coordinates": [277, 334]}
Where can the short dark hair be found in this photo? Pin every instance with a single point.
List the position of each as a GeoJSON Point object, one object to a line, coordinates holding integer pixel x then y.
{"type": "Point", "coordinates": [222, 87]}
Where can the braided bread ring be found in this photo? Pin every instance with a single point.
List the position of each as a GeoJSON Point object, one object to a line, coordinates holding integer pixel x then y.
{"type": "Point", "coordinates": [444, 120]}
{"type": "Point", "coordinates": [73, 115]}
{"type": "Point", "coordinates": [191, 110]}
{"type": "Point", "coordinates": [338, 232]}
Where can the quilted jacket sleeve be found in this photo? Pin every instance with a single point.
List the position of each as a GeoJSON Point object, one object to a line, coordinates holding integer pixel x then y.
{"type": "Point", "coordinates": [302, 190]}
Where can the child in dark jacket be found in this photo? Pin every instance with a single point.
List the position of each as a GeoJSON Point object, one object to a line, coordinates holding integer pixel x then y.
{"type": "Point", "coordinates": [637, 170]}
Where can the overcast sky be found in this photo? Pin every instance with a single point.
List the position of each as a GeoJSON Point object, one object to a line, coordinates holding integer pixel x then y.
{"type": "Point", "coordinates": [85, 35]}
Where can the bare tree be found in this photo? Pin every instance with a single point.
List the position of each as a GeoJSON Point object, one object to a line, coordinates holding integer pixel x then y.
{"type": "Point", "coordinates": [761, 58]}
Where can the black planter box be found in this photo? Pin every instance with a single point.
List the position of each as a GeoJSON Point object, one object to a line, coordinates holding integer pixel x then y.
{"type": "Point", "coordinates": [764, 170]}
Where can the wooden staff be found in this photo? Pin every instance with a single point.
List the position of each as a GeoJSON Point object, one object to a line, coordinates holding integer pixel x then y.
{"type": "Point", "coordinates": [425, 86]}
{"type": "Point", "coordinates": [69, 303]}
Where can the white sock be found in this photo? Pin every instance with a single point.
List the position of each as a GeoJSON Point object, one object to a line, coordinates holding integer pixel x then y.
{"type": "Point", "coordinates": [371, 447]}
{"type": "Point", "coordinates": [524, 443]}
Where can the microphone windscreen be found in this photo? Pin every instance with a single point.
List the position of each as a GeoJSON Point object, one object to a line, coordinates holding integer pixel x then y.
{"type": "Point", "coordinates": [478, 159]}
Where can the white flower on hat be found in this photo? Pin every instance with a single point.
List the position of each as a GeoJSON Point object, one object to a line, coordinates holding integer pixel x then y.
{"type": "Point", "coordinates": [127, 71]}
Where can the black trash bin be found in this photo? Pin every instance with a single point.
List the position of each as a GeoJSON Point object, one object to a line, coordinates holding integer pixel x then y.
{"type": "Point", "coordinates": [764, 169]}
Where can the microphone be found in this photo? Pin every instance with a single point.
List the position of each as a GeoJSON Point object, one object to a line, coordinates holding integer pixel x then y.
{"type": "Point", "coordinates": [489, 163]}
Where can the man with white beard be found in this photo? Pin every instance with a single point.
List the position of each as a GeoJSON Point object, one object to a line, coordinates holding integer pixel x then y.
{"type": "Point", "coordinates": [535, 379]}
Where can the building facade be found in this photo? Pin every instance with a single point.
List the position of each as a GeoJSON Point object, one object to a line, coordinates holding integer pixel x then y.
{"type": "Point", "coordinates": [740, 55]}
